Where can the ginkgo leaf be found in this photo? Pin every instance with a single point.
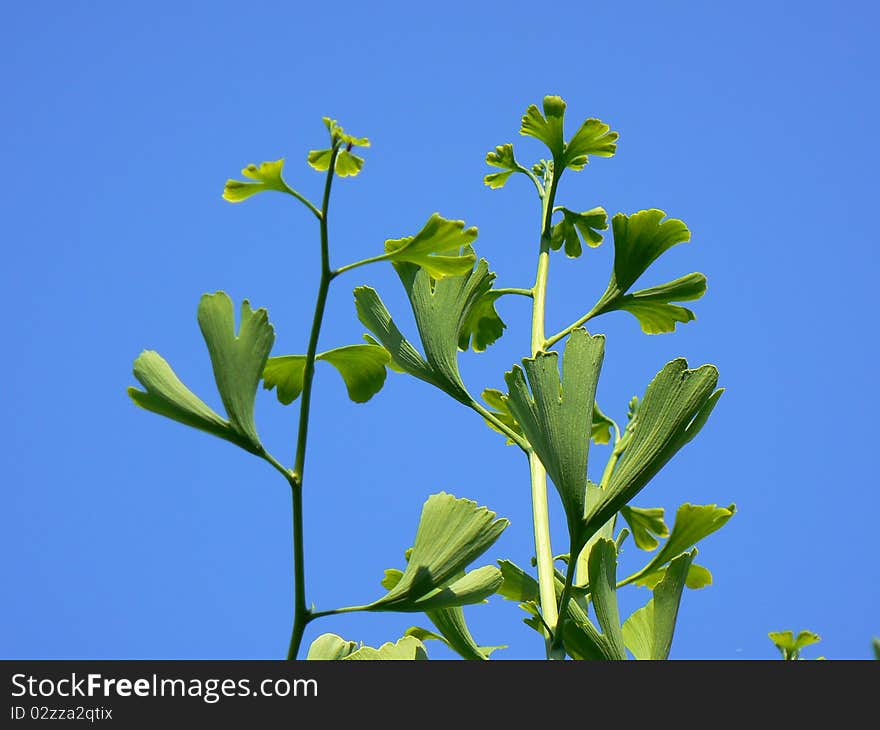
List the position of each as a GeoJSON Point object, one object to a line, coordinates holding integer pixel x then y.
{"type": "Point", "coordinates": [517, 584]}
{"type": "Point", "coordinates": [593, 138]}
{"type": "Point", "coordinates": [602, 426]}
{"type": "Point", "coordinates": [407, 648]}
{"type": "Point", "coordinates": [267, 175]}
{"type": "Point", "coordinates": [547, 127]}
{"type": "Point", "coordinates": [285, 373]}
{"type": "Point", "coordinates": [646, 525]}
{"type": "Point", "coordinates": [237, 361]}
{"type": "Point", "coordinates": [698, 576]}
{"type": "Point", "coordinates": [692, 523]}
{"type": "Point", "coordinates": [496, 401]}
{"type": "Point", "coordinates": [603, 593]}
{"type": "Point", "coordinates": [347, 163]}
{"type": "Point", "coordinates": [675, 407]}
{"type": "Point", "coordinates": [362, 368]}
{"type": "Point", "coordinates": [653, 307]}
{"type": "Point", "coordinates": [166, 395]}
{"type": "Point", "coordinates": [449, 622]}
{"type": "Point", "coordinates": [502, 157]}
{"type": "Point", "coordinates": [575, 227]}
{"type": "Point", "coordinates": [482, 325]}
{"type": "Point", "coordinates": [454, 633]}
{"type": "Point", "coordinates": [452, 533]}
{"type": "Point", "coordinates": [441, 309]}
{"type": "Point", "coordinates": [639, 239]}
{"type": "Point", "coordinates": [648, 632]}
{"type": "Point", "coordinates": [437, 248]}
{"type": "Point", "coordinates": [556, 418]}
{"type": "Point", "coordinates": [789, 646]}
{"type": "Point", "coordinates": [330, 647]}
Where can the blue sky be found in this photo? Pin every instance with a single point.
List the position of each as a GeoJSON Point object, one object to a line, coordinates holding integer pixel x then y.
{"type": "Point", "coordinates": [127, 536]}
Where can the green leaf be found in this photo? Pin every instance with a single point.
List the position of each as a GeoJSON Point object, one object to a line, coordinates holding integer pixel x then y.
{"type": "Point", "coordinates": [639, 239]}
{"type": "Point", "coordinates": [238, 360]}
{"type": "Point", "coordinates": [517, 584]}
{"type": "Point", "coordinates": [362, 368]}
{"type": "Point", "coordinates": [407, 648]}
{"type": "Point", "coordinates": [452, 533]}
{"type": "Point", "coordinates": [441, 309]}
{"type": "Point", "coordinates": [454, 633]}
{"type": "Point", "coordinates": [648, 632]}
{"type": "Point", "coordinates": [482, 325]}
{"type": "Point", "coordinates": [593, 138]}
{"type": "Point", "coordinates": [556, 418]}
{"type": "Point", "coordinates": [331, 647]}
{"type": "Point", "coordinates": [675, 407]}
{"type": "Point", "coordinates": [875, 642]}
{"type": "Point", "coordinates": [348, 164]}
{"type": "Point", "coordinates": [789, 646]}
{"type": "Point", "coordinates": [437, 248]}
{"type": "Point", "coordinates": [600, 430]}
{"type": "Point", "coordinates": [575, 227]}
{"type": "Point", "coordinates": [267, 175]}
{"type": "Point", "coordinates": [166, 395]}
{"type": "Point", "coordinates": [698, 577]}
{"type": "Point", "coordinates": [603, 593]}
{"type": "Point", "coordinates": [285, 373]}
{"type": "Point", "coordinates": [499, 408]}
{"type": "Point", "coordinates": [693, 522]}
{"type": "Point", "coordinates": [653, 308]}
{"type": "Point", "coordinates": [546, 127]}
{"type": "Point", "coordinates": [645, 523]}
{"type": "Point", "coordinates": [502, 157]}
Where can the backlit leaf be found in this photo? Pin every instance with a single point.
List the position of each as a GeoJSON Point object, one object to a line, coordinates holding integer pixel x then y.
{"type": "Point", "coordinates": [648, 632]}
{"type": "Point", "coordinates": [789, 646]}
{"type": "Point", "coordinates": [437, 248]}
{"type": "Point", "coordinates": [639, 239]}
{"type": "Point", "coordinates": [407, 648]}
{"type": "Point", "coordinates": [645, 523]}
{"type": "Point", "coordinates": [501, 157]}
{"type": "Point", "coordinates": [482, 326]}
{"type": "Point", "coordinates": [331, 647]}
{"type": "Point", "coordinates": [593, 138]}
{"type": "Point", "coordinates": [547, 127]}
{"type": "Point", "coordinates": [575, 227]}
{"type": "Point", "coordinates": [603, 593]}
{"type": "Point", "coordinates": [452, 533]}
{"type": "Point", "coordinates": [267, 175]}
{"type": "Point", "coordinates": [692, 523]}
{"type": "Point", "coordinates": [362, 368]}
{"type": "Point", "coordinates": [238, 362]}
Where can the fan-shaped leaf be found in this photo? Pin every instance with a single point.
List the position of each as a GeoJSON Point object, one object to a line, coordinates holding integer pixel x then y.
{"type": "Point", "coordinates": [575, 227]}
{"type": "Point", "coordinates": [675, 407]}
{"type": "Point", "coordinates": [645, 523]}
{"type": "Point", "coordinates": [238, 362]}
{"type": "Point", "coordinates": [331, 647]}
{"type": "Point", "coordinates": [693, 522]}
{"type": "Point", "coordinates": [452, 533]}
{"type": "Point", "coordinates": [437, 248]}
{"type": "Point", "coordinates": [267, 175]}
{"type": "Point", "coordinates": [502, 157]}
{"type": "Point", "coordinates": [648, 632]}
{"type": "Point", "coordinates": [407, 648]}
{"type": "Point", "coordinates": [556, 417]}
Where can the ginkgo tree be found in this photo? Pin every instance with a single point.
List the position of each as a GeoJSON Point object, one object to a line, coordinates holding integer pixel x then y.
{"type": "Point", "coordinates": [548, 413]}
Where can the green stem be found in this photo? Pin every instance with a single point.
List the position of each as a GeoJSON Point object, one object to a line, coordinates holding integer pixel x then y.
{"type": "Point", "coordinates": [514, 290]}
{"type": "Point", "coordinates": [362, 262]}
{"type": "Point", "coordinates": [571, 328]}
{"type": "Point", "coordinates": [558, 648]}
{"type": "Point", "coordinates": [537, 473]}
{"type": "Point", "coordinates": [300, 610]}
{"type": "Point", "coordinates": [512, 435]}
{"type": "Point", "coordinates": [305, 201]}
